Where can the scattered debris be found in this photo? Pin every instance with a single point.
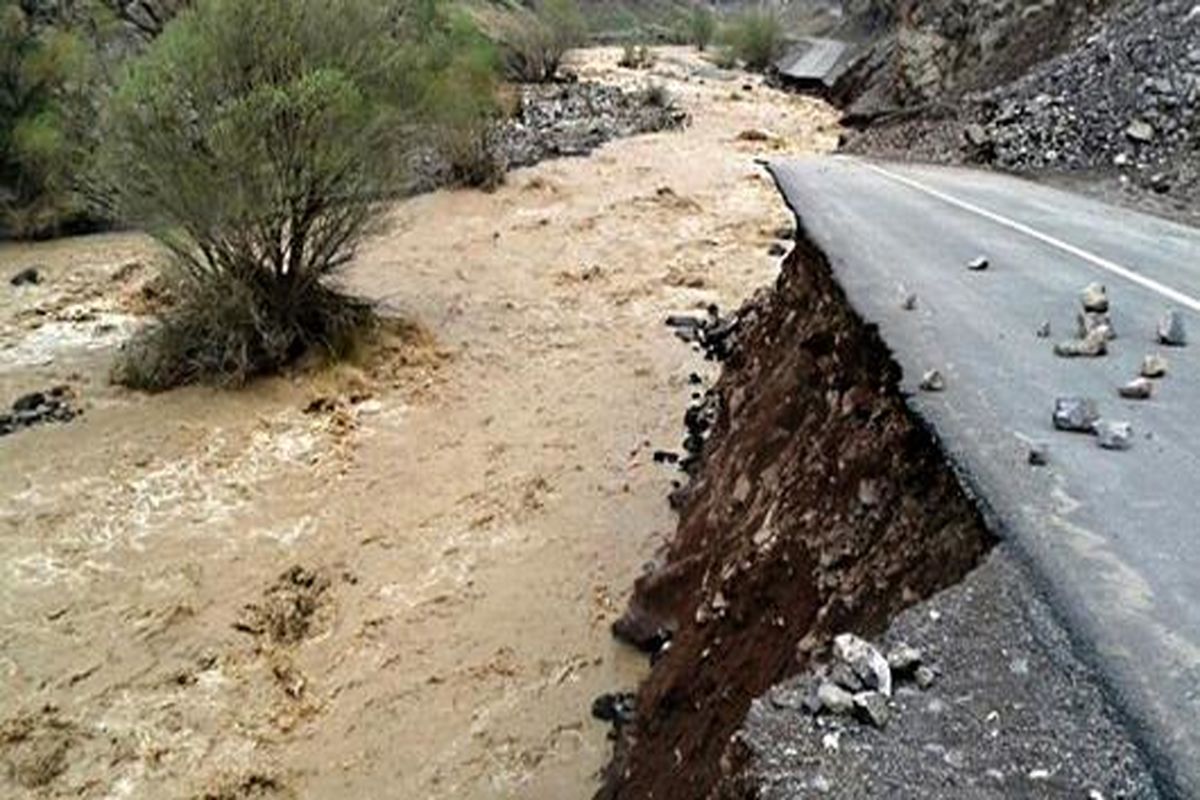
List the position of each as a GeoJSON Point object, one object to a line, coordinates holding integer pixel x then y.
{"type": "Point", "coordinates": [978, 264]}
{"type": "Point", "coordinates": [932, 381]}
{"type": "Point", "coordinates": [1077, 414]}
{"type": "Point", "coordinates": [26, 277]}
{"type": "Point", "coordinates": [871, 708]}
{"type": "Point", "coordinates": [903, 660]}
{"type": "Point", "coordinates": [1154, 366]}
{"type": "Point", "coordinates": [1137, 389]}
{"type": "Point", "coordinates": [1089, 322]}
{"type": "Point", "coordinates": [1171, 330]}
{"type": "Point", "coordinates": [867, 663]}
{"type": "Point", "coordinates": [834, 699]}
{"type": "Point", "coordinates": [1114, 435]}
{"type": "Point", "coordinates": [1094, 345]}
{"type": "Point", "coordinates": [1038, 454]}
{"type": "Point", "coordinates": [1095, 298]}
{"type": "Point", "coordinates": [36, 408]}
{"type": "Point", "coordinates": [1043, 330]}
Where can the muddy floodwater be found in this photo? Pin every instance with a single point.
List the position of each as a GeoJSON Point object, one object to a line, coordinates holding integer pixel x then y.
{"type": "Point", "coordinates": [392, 578]}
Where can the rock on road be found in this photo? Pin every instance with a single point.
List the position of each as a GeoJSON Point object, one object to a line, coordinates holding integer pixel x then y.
{"type": "Point", "coordinates": [1114, 535]}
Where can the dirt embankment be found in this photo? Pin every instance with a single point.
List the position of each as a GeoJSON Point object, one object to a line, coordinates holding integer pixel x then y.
{"type": "Point", "coordinates": [821, 506]}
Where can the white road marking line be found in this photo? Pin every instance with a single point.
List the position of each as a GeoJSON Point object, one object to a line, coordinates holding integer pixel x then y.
{"type": "Point", "coordinates": [1174, 295]}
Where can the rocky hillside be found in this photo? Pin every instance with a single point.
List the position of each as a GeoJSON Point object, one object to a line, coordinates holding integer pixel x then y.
{"type": "Point", "coordinates": [1108, 91]}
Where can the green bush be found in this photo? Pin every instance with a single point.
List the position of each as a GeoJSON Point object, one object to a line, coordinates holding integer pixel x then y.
{"type": "Point", "coordinates": [534, 42]}
{"type": "Point", "coordinates": [459, 105]}
{"type": "Point", "coordinates": [256, 141]}
{"type": "Point", "coordinates": [46, 82]}
{"type": "Point", "coordinates": [702, 26]}
{"type": "Point", "coordinates": [756, 37]}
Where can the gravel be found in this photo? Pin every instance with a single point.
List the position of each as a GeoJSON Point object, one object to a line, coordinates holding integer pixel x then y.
{"type": "Point", "coordinates": [1013, 713]}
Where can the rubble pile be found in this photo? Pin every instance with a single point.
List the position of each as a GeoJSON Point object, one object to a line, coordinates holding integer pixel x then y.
{"type": "Point", "coordinates": [552, 120]}
{"type": "Point", "coordinates": [37, 408]}
{"type": "Point", "coordinates": [859, 680]}
{"type": "Point", "coordinates": [1116, 100]}
{"type": "Point", "coordinates": [1127, 98]}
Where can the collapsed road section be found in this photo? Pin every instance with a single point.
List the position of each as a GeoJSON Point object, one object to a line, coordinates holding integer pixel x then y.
{"type": "Point", "coordinates": [821, 505]}
{"type": "Point", "coordinates": [824, 504]}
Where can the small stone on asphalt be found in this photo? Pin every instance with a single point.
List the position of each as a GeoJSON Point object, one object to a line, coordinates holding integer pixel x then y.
{"type": "Point", "coordinates": [867, 662]}
{"type": "Point", "coordinates": [932, 381]}
{"type": "Point", "coordinates": [1154, 366]}
{"type": "Point", "coordinates": [1043, 330]}
{"type": "Point", "coordinates": [1114, 435]}
{"type": "Point", "coordinates": [1171, 330]}
{"type": "Point", "coordinates": [1137, 389]}
{"type": "Point", "coordinates": [924, 677]}
{"type": "Point", "coordinates": [1088, 322]}
{"type": "Point", "coordinates": [978, 264]}
{"type": "Point", "coordinates": [1078, 414]}
{"type": "Point", "coordinates": [1094, 346]}
{"type": "Point", "coordinates": [1038, 455]}
{"type": "Point", "coordinates": [1095, 298]}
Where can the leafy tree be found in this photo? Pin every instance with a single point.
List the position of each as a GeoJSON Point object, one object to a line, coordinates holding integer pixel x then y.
{"type": "Point", "coordinates": [46, 84]}
{"type": "Point", "coordinates": [256, 141]}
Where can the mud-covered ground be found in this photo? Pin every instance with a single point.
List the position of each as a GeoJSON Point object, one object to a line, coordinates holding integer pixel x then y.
{"type": "Point", "coordinates": [393, 578]}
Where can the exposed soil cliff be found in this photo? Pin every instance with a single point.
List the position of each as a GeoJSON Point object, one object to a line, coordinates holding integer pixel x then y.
{"type": "Point", "coordinates": [822, 505]}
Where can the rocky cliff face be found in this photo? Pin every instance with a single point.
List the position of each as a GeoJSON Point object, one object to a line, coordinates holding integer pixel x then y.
{"type": "Point", "coordinates": [940, 48]}
{"type": "Point", "coordinates": [1079, 87]}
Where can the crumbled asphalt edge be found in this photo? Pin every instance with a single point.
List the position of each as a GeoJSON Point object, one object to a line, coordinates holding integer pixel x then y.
{"type": "Point", "coordinates": [1013, 713]}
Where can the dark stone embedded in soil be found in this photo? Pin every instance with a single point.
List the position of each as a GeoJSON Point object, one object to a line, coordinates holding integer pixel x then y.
{"type": "Point", "coordinates": [712, 333]}
{"type": "Point", "coordinates": [617, 708]}
{"type": "Point", "coordinates": [36, 408]}
{"type": "Point", "coordinates": [665, 457]}
{"type": "Point", "coordinates": [26, 277]}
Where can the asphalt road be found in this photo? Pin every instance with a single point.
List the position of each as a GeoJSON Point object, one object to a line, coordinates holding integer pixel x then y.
{"type": "Point", "coordinates": [1113, 536]}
